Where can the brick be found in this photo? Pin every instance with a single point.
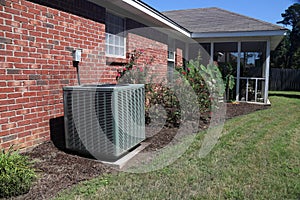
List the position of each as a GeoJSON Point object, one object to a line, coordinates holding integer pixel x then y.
{"type": "Point", "coordinates": [6, 15]}
{"type": "Point", "coordinates": [5, 145]}
{"type": "Point", "coordinates": [48, 25]}
{"type": "Point", "coordinates": [20, 77]}
{"type": "Point", "coordinates": [9, 138]}
{"type": "Point", "coordinates": [34, 77]}
{"type": "Point", "coordinates": [28, 60]}
{"type": "Point", "coordinates": [29, 94]}
{"type": "Point", "coordinates": [35, 34]}
{"type": "Point", "coordinates": [6, 77]}
{"type": "Point", "coordinates": [7, 90]}
{"type": "Point", "coordinates": [49, 15]}
{"type": "Point", "coordinates": [3, 2]}
{"type": "Point", "coordinates": [35, 55]}
{"type": "Point", "coordinates": [41, 82]}
{"type": "Point", "coordinates": [12, 11]}
{"type": "Point", "coordinates": [4, 133]}
{"type": "Point", "coordinates": [5, 40]}
{"type": "Point", "coordinates": [48, 46]}
{"type": "Point", "coordinates": [7, 29]}
{"type": "Point", "coordinates": [13, 71]}
{"type": "Point", "coordinates": [16, 119]}
{"type": "Point", "coordinates": [21, 42]}
{"type": "Point", "coordinates": [30, 126]}
{"type": "Point", "coordinates": [34, 11]}
{"type": "Point", "coordinates": [21, 19]}
{"type": "Point", "coordinates": [22, 112]}
{"type": "Point", "coordinates": [30, 38]}
{"type": "Point", "coordinates": [21, 65]}
{"type": "Point", "coordinates": [21, 54]}
{"type": "Point", "coordinates": [15, 95]}
{"type": "Point", "coordinates": [3, 108]}
{"type": "Point", "coordinates": [30, 116]}
{"type": "Point", "coordinates": [27, 15]}
{"type": "Point", "coordinates": [13, 36]}
{"type": "Point", "coordinates": [6, 53]}
{"type": "Point", "coordinates": [24, 100]}
{"type": "Point", "coordinates": [2, 83]}
{"type": "Point", "coordinates": [29, 49]}
{"type": "Point", "coordinates": [8, 126]}
{"type": "Point", "coordinates": [24, 134]}
{"type": "Point", "coordinates": [35, 44]}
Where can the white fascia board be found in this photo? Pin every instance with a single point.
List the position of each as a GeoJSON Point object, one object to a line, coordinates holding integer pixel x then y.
{"type": "Point", "coordinates": [147, 10]}
{"type": "Point", "coordinates": [239, 34]}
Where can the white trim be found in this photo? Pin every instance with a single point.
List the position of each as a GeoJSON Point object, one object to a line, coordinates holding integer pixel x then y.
{"type": "Point", "coordinates": [238, 34]}
{"type": "Point", "coordinates": [147, 10]}
{"type": "Point", "coordinates": [238, 71]}
{"type": "Point", "coordinates": [267, 70]}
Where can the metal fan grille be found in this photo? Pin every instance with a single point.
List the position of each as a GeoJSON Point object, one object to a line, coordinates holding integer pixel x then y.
{"type": "Point", "coordinates": [104, 121]}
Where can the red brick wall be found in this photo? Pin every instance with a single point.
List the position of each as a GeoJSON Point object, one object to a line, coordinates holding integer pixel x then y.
{"type": "Point", "coordinates": [35, 63]}
{"type": "Point", "coordinates": [154, 53]}
{"type": "Point", "coordinates": [36, 44]}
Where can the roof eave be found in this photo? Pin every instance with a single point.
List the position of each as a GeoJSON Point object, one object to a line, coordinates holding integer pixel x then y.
{"type": "Point", "coordinates": [147, 15]}
{"type": "Point", "coordinates": [157, 15]}
{"type": "Point", "coordinates": [196, 35]}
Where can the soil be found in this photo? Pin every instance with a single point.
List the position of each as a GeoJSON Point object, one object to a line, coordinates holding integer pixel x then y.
{"type": "Point", "coordinates": [58, 170]}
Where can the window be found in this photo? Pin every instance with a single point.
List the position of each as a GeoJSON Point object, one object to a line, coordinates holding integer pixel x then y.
{"type": "Point", "coordinates": [114, 36]}
{"type": "Point", "coordinates": [171, 60]}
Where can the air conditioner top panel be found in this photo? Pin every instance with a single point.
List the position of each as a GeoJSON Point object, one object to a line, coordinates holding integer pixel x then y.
{"type": "Point", "coordinates": [103, 87]}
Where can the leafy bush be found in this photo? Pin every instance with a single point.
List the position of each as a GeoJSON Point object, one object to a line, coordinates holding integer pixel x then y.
{"type": "Point", "coordinates": [160, 94]}
{"type": "Point", "coordinates": [16, 174]}
{"type": "Point", "coordinates": [206, 83]}
{"type": "Point", "coordinates": [155, 93]}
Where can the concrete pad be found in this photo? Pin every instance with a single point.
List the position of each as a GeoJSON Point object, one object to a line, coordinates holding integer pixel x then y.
{"type": "Point", "coordinates": [120, 163]}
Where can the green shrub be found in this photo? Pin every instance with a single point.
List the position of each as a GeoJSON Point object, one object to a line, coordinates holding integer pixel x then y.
{"type": "Point", "coordinates": [206, 83]}
{"type": "Point", "coordinates": [160, 94]}
{"type": "Point", "coordinates": [16, 174]}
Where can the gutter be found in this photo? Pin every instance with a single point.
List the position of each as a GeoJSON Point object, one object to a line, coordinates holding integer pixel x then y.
{"type": "Point", "coordinates": [238, 34]}
{"type": "Point", "coordinates": [157, 15]}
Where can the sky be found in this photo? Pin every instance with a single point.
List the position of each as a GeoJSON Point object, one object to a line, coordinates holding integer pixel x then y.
{"type": "Point", "coordinates": [266, 10]}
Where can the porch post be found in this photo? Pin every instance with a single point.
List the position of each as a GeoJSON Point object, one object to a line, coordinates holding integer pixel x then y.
{"type": "Point", "coordinates": [238, 71]}
{"type": "Point", "coordinates": [267, 72]}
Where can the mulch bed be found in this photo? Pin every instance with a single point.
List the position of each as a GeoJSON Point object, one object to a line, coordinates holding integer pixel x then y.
{"type": "Point", "coordinates": [58, 170]}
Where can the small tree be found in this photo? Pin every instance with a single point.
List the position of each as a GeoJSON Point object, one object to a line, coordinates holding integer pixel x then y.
{"type": "Point", "coordinates": [287, 54]}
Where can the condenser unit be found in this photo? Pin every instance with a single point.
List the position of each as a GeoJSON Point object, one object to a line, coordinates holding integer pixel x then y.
{"type": "Point", "coordinates": [105, 121]}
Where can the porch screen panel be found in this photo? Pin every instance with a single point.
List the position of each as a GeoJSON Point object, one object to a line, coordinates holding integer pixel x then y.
{"type": "Point", "coordinates": [253, 57]}
{"type": "Point", "coordinates": [226, 57]}
{"type": "Point", "coordinates": [253, 63]}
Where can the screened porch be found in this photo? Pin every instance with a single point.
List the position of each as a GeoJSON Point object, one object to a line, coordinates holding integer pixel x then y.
{"type": "Point", "coordinates": [248, 61]}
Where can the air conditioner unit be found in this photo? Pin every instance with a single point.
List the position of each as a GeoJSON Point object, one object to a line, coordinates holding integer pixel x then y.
{"type": "Point", "coordinates": [104, 121]}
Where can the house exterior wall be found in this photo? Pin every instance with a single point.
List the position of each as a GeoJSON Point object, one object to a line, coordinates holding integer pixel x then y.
{"type": "Point", "coordinates": [36, 42]}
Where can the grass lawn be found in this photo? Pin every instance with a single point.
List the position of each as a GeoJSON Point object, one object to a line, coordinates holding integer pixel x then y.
{"type": "Point", "coordinates": [257, 157]}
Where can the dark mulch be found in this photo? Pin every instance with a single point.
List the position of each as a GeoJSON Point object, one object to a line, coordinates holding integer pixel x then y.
{"type": "Point", "coordinates": [58, 170]}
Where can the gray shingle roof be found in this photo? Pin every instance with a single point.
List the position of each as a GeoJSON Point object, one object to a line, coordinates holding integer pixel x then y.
{"type": "Point", "coordinates": [208, 20]}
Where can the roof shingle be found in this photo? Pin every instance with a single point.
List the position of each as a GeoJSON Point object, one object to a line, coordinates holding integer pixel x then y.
{"type": "Point", "coordinates": [212, 20]}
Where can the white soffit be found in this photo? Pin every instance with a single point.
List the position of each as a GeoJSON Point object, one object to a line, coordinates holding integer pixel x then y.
{"type": "Point", "coordinates": [239, 34]}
